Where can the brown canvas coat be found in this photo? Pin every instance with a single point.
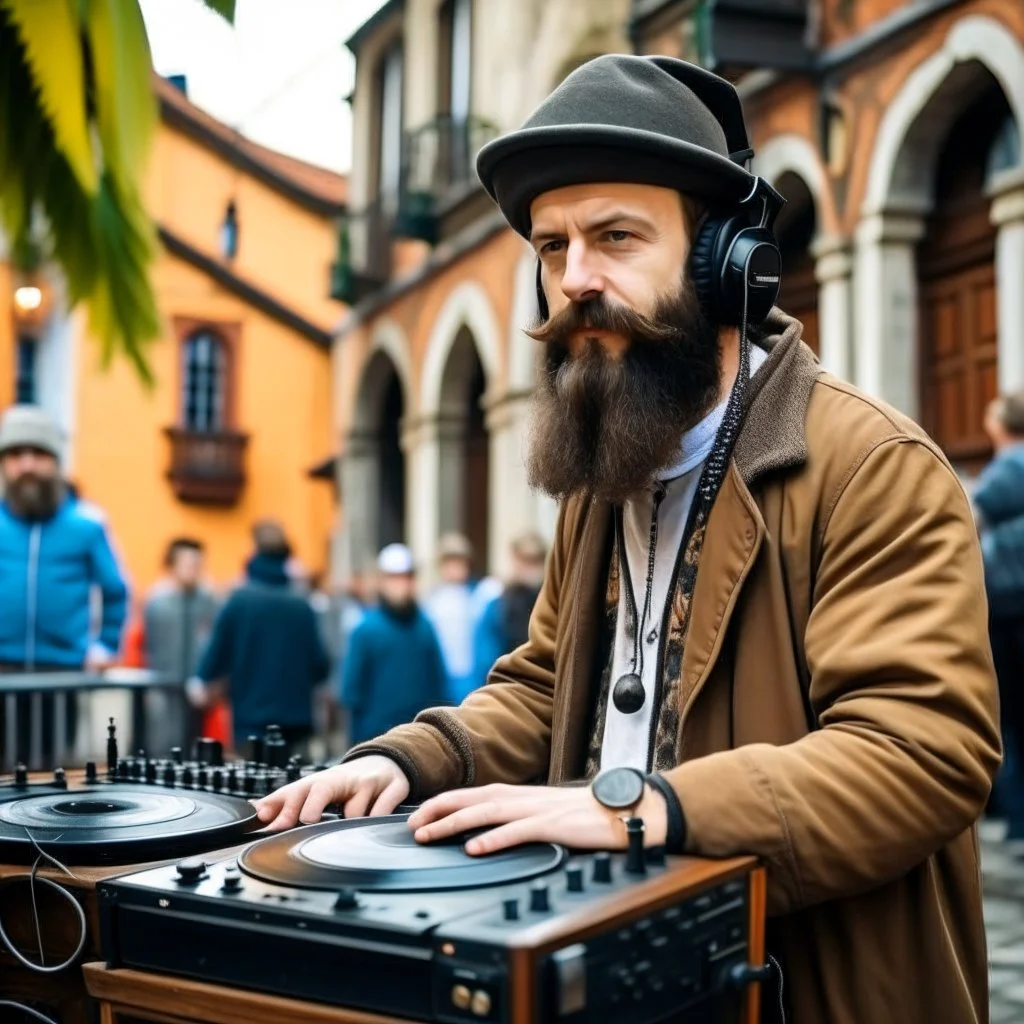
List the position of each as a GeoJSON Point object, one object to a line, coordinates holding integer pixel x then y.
{"type": "Point", "coordinates": [838, 702]}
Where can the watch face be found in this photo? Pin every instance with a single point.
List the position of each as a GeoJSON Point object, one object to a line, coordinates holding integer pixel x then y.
{"type": "Point", "coordinates": [619, 788]}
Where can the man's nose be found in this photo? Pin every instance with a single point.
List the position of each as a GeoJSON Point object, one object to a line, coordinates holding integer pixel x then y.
{"type": "Point", "coordinates": [581, 280]}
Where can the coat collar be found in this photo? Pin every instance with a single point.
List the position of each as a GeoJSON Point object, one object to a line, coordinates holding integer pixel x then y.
{"type": "Point", "coordinates": [773, 436]}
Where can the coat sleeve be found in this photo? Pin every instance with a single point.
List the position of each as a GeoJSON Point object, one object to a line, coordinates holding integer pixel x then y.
{"type": "Point", "coordinates": [107, 575]}
{"type": "Point", "coordinates": [502, 731]}
{"type": "Point", "coordinates": [903, 689]}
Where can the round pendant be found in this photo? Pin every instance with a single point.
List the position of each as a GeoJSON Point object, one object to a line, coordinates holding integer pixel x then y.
{"type": "Point", "coordinates": [628, 695]}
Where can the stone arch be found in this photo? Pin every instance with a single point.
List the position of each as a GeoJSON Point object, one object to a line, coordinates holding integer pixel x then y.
{"type": "Point", "coordinates": [468, 306]}
{"type": "Point", "coordinates": [790, 153]}
{"type": "Point", "coordinates": [917, 120]}
{"type": "Point", "coordinates": [388, 350]}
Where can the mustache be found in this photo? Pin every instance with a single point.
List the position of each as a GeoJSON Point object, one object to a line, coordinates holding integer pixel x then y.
{"type": "Point", "coordinates": [600, 315]}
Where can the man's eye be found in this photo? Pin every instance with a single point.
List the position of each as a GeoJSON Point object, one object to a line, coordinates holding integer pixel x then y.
{"type": "Point", "coordinates": [552, 247]}
{"type": "Point", "coordinates": [617, 235]}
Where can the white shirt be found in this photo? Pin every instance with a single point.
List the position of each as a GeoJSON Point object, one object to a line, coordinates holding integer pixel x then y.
{"type": "Point", "coordinates": [627, 737]}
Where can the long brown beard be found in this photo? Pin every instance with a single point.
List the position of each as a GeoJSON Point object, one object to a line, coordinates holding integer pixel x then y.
{"type": "Point", "coordinates": [606, 425]}
{"type": "Point", "coordinates": [34, 498]}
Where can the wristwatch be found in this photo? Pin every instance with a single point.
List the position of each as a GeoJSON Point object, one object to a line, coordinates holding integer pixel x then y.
{"type": "Point", "coordinates": [619, 789]}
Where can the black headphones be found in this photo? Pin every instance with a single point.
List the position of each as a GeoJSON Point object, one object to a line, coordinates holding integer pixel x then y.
{"type": "Point", "coordinates": [735, 261]}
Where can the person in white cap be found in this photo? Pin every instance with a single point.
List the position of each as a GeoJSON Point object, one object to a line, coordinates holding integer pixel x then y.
{"type": "Point", "coordinates": [54, 550]}
{"type": "Point", "coordinates": [394, 668]}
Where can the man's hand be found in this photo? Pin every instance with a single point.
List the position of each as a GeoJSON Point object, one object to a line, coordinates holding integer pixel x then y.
{"type": "Point", "coordinates": [367, 786]}
{"type": "Point", "coordinates": [525, 814]}
{"type": "Point", "coordinates": [98, 658]}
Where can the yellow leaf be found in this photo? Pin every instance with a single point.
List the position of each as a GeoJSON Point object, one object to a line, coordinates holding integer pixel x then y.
{"type": "Point", "coordinates": [49, 31]}
{"type": "Point", "coordinates": [126, 109]}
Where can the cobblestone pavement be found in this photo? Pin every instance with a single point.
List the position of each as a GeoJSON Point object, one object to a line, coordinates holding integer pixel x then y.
{"type": "Point", "coordinates": [1002, 866]}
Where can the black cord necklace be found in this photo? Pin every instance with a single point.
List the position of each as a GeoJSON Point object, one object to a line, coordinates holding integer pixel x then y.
{"type": "Point", "coordinates": [628, 694]}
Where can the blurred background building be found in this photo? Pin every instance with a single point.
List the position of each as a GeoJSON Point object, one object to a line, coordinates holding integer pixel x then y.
{"type": "Point", "coordinates": [344, 352]}
{"type": "Point", "coordinates": [893, 129]}
{"type": "Point", "coordinates": [239, 418]}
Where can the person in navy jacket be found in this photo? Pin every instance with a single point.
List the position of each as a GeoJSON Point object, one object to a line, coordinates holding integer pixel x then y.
{"type": "Point", "coordinates": [55, 552]}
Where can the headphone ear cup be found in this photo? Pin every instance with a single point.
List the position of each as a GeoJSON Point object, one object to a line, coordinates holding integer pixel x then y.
{"type": "Point", "coordinates": [751, 276]}
{"type": "Point", "coordinates": [702, 265]}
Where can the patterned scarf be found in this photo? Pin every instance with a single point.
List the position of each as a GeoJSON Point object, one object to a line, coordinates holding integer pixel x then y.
{"type": "Point", "coordinates": [667, 709]}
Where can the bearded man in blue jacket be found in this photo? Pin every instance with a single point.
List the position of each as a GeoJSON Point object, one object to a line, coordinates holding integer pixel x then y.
{"type": "Point", "coordinates": [54, 550]}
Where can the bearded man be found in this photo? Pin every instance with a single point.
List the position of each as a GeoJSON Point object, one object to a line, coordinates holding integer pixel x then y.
{"type": "Point", "coordinates": [54, 550]}
{"type": "Point", "coordinates": [765, 595]}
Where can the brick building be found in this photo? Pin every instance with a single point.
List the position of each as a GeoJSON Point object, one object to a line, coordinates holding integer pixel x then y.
{"type": "Point", "coordinates": [893, 129]}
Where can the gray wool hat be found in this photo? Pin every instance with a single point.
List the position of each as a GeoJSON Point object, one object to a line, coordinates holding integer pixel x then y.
{"type": "Point", "coordinates": [622, 118]}
{"type": "Point", "coordinates": [27, 426]}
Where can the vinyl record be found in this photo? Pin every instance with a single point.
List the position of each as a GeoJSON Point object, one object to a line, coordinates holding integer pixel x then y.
{"type": "Point", "coordinates": [381, 855]}
{"type": "Point", "coordinates": [119, 823]}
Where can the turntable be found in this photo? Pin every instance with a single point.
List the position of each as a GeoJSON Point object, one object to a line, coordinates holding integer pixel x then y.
{"type": "Point", "coordinates": [77, 828]}
{"type": "Point", "coordinates": [356, 914]}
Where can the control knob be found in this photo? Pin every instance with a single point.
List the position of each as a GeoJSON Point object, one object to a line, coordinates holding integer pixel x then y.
{"type": "Point", "coordinates": [20, 775]}
{"type": "Point", "coordinates": [346, 900]}
{"type": "Point", "coordinates": [169, 774]}
{"type": "Point", "coordinates": [510, 909]}
{"type": "Point", "coordinates": [218, 780]}
{"type": "Point", "coordinates": [539, 899]}
{"type": "Point", "coordinates": [574, 878]}
{"type": "Point", "coordinates": [209, 752]}
{"type": "Point", "coordinates": [90, 772]}
{"type": "Point", "coordinates": [151, 772]}
{"type": "Point", "coordinates": [602, 867]}
{"type": "Point", "coordinates": [59, 778]}
{"type": "Point", "coordinates": [232, 878]}
{"type": "Point", "coordinates": [190, 870]}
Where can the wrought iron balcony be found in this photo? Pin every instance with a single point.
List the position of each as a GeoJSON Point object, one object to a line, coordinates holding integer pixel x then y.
{"type": "Point", "coordinates": [363, 261]}
{"type": "Point", "coordinates": [732, 36]}
{"type": "Point", "coordinates": [207, 467]}
{"type": "Point", "coordinates": [438, 166]}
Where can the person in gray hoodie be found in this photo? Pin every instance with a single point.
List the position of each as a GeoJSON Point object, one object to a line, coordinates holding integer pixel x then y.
{"type": "Point", "coordinates": [179, 616]}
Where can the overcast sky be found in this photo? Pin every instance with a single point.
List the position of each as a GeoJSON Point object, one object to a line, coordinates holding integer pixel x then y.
{"type": "Point", "coordinates": [280, 75]}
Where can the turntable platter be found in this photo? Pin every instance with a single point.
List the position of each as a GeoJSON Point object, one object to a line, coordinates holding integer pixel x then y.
{"type": "Point", "coordinates": [109, 822]}
{"type": "Point", "coordinates": [381, 855]}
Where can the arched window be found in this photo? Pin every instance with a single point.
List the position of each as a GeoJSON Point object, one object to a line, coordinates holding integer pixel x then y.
{"type": "Point", "coordinates": [204, 383]}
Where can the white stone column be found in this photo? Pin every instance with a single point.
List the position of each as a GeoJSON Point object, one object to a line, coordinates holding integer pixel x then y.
{"type": "Point", "coordinates": [422, 460]}
{"type": "Point", "coordinates": [833, 270]}
{"type": "Point", "coordinates": [885, 307]}
{"type": "Point", "coordinates": [511, 501]}
{"type": "Point", "coordinates": [360, 489]}
{"type": "Point", "coordinates": [1007, 214]}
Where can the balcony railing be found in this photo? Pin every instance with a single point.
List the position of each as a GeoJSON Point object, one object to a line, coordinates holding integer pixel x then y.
{"type": "Point", "coordinates": [363, 261]}
{"type": "Point", "coordinates": [207, 468]}
{"type": "Point", "coordinates": [439, 162]}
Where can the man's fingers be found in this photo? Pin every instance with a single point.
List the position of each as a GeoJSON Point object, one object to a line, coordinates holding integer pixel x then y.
{"type": "Point", "coordinates": [456, 799]}
{"type": "Point", "coordinates": [358, 803]}
{"type": "Point", "coordinates": [476, 816]}
{"type": "Point", "coordinates": [523, 830]}
{"type": "Point", "coordinates": [280, 810]}
{"type": "Point", "coordinates": [390, 798]}
{"type": "Point", "coordinates": [320, 795]}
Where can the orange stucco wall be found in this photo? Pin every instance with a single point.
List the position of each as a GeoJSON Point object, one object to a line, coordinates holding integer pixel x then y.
{"type": "Point", "coordinates": [283, 247]}
{"type": "Point", "coordinates": [283, 402]}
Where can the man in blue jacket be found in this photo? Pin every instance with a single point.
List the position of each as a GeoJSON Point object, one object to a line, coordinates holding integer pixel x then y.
{"type": "Point", "coordinates": [394, 668]}
{"type": "Point", "coordinates": [54, 552]}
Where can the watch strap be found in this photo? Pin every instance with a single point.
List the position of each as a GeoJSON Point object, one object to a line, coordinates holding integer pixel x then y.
{"type": "Point", "coordinates": [675, 836]}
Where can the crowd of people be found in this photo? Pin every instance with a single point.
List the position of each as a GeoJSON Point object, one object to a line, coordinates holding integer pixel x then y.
{"type": "Point", "coordinates": [274, 647]}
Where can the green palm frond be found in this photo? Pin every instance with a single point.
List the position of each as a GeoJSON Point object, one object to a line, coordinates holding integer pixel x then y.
{"type": "Point", "coordinates": [77, 118]}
